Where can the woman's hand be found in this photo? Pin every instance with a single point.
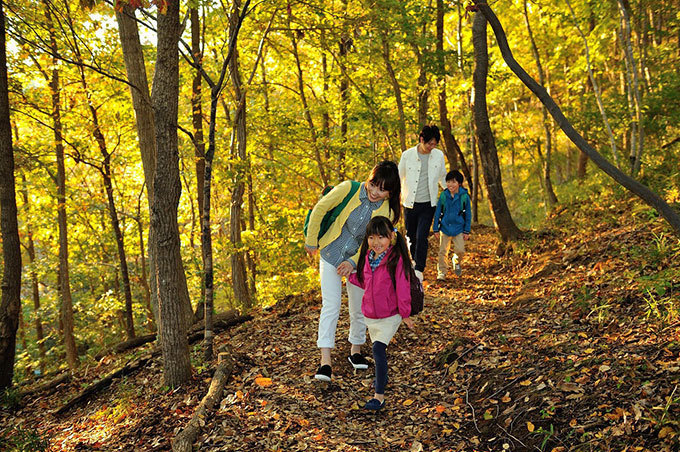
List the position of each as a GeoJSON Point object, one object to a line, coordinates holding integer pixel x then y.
{"type": "Point", "coordinates": [345, 268]}
{"type": "Point", "coordinates": [310, 250]}
{"type": "Point", "coordinates": [409, 323]}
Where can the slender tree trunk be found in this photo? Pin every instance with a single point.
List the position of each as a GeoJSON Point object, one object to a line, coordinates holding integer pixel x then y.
{"type": "Point", "coordinates": [596, 89]}
{"type": "Point", "coordinates": [636, 151]}
{"type": "Point", "coordinates": [485, 139]}
{"type": "Point", "coordinates": [344, 46]}
{"type": "Point", "coordinates": [144, 278]}
{"type": "Point", "coordinates": [325, 115]}
{"type": "Point", "coordinates": [105, 171]}
{"type": "Point", "coordinates": [10, 302]}
{"type": "Point", "coordinates": [238, 264]}
{"type": "Point", "coordinates": [167, 188]}
{"type": "Point", "coordinates": [550, 196]}
{"type": "Point", "coordinates": [396, 88]}
{"type": "Point", "coordinates": [305, 107]}
{"type": "Point", "coordinates": [35, 290]}
{"type": "Point", "coordinates": [64, 285]}
{"type": "Point", "coordinates": [647, 195]}
{"type": "Point", "coordinates": [476, 187]}
{"type": "Point", "coordinates": [199, 144]}
{"type": "Point", "coordinates": [454, 153]}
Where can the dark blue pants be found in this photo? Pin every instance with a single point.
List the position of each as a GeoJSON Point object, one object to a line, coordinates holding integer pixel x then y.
{"type": "Point", "coordinates": [418, 223]}
{"type": "Point", "coordinates": [380, 359]}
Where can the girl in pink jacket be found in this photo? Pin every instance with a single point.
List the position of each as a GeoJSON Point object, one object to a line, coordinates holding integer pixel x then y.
{"type": "Point", "coordinates": [382, 271]}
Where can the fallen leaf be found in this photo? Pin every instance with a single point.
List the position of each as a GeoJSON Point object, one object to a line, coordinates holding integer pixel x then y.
{"type": "Point", "coordinates": [530, 427]}
{"type": "Point", "coordinates": [604, 368]}
{"type": "Point", "coordinates": [263, 381]}
{"type": "Point", "coordinates": [407, 402]}
{"type": "Point", "coordinates": [525, 383]}
{"type": "Point", "coordinates": [666, 431]}
{"type": "Point", "coordinates": [440, 409]}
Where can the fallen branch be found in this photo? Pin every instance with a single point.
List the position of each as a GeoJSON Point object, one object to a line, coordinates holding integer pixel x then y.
{"type": "Point", "coordinates": [184, 441]}
{"type": "Point", "coordinates": [222, 322]}
{"type": "Point", "coordinates": [106, 381]}
{"type": "Point", "coordinates": [48, 387]}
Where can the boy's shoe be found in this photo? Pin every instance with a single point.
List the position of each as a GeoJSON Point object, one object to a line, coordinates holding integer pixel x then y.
{"type": "Point", "coordinates": [458, 270]}
{"type": "Point", "coordinates": [358, 361]}
{"type": "Point", "coordinates": [441, 276]}
{"type": "Point", "coordinates": [324, 373]}
{"type": "Point", "coordinates": [374, 405]}
{"type": "Point", "coordinates": [419, 275]}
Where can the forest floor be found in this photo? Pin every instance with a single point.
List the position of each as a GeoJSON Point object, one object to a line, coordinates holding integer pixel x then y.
{"type": "Point", "coordinates": [554, 346]}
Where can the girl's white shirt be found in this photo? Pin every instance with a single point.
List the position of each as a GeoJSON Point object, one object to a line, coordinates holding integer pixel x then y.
{"type": "Point", "coordinates": [409, 173]}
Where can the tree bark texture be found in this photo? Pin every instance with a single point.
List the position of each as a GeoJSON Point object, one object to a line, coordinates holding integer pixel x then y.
{"type": "Point", "coordinates": [10, 302]}
{"type": "Point", "coordinates": [485, 140]}
{"type": "Point", "coordinates": [166, 194]}
{"type": "Point", "coordinates": [643, 192]}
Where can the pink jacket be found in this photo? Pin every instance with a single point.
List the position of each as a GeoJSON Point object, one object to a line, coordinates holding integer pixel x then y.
{"type": "Point", "coordinates": [380, 299]}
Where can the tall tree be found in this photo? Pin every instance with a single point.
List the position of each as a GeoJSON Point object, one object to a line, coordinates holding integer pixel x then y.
{"type": "Point", "coordinates": [487, 146]}
{"type": "Point", "coordinates": [107, 179]}
{"type": "Point", "coordinates": [551, 198]}
{"type": "Point", "coordinates": [10, 302]}
{"type": "Point", "coordinates": [64, 286]}
{"type": "Point", "coordinates": [166, 193]}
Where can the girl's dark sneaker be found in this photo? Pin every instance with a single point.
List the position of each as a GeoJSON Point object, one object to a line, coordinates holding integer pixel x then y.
{"type": "Point", "coordinates": [324, 373]}
{"type": "Point", "coordinates": [374, 405]}
{"type": "Point", "coordinates": [358, 361]}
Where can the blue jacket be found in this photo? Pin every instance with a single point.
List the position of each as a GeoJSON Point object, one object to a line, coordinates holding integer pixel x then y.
{"type": "Point", "coordinates": [449, 218]}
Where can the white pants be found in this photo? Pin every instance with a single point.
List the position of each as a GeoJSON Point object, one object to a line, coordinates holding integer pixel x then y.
{"type": "Point", "coordinates": [331, 300]}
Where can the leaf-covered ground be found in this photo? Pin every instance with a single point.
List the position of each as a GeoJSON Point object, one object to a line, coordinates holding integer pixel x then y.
{"type": "Point", "coordinates": [569, 341]}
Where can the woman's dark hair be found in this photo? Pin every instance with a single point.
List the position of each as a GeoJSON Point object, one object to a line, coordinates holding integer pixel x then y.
{"type": "Point", "coordinates": [386, 176]}
{"type": "Point", "coordinates": [383, 226]}
{"type": "Point", "coordinates": [430, 132]}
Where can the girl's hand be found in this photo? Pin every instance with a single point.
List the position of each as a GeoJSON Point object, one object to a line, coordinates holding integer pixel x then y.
{"type": "Point", "coordinates": [311, 251]}
{"type": "Point", "coordinates": [345, 269]}
{"type": "Point", "coordinates": [409, 323]}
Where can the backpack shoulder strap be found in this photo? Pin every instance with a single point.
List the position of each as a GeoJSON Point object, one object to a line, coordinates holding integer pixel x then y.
{"type": "Point", "coordinates": [463, 197]}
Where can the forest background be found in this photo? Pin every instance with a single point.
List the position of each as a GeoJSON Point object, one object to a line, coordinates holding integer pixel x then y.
{"type": "Point", "coordinates": [304, 94]}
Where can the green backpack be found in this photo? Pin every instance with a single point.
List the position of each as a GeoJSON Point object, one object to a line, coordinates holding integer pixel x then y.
{"type": "Point", "coordinates": [332, 214]}
{"type": "Point", "coordinates": [463, 197]}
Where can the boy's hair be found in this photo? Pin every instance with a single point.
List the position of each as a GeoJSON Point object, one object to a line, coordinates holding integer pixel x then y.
{"type": "Point", "coordinates": [383, 226]}
{"type": "Point", "coordinates": [386, 176]}
{"type": "Point", "coordinates": [430, 132]}
{"type": "Point", "coordinates": [455, 174]}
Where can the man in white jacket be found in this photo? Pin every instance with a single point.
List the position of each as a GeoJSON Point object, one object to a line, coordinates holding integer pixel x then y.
{"type": "Point", "coordinates": [421, 169]}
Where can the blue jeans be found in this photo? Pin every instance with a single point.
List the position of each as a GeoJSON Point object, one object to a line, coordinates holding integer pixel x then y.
{"type": "Point", "coordinates": [418, 222]}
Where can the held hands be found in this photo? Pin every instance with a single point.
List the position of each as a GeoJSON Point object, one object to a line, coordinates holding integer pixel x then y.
{"type": "Point", "coordinates": [409, 323]}
{"type": "Point", "coordinates": [466, 237]}
{"type": "Point", "coordinates": [345, 269]}
{"type": "Point", "coordinates": [311, 251]}
{"type": "Point", "coordinates": [436, 235]}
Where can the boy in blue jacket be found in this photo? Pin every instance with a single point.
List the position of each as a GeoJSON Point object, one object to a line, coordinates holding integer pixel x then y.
{"type": "Point", "coordinates": [453, 219]}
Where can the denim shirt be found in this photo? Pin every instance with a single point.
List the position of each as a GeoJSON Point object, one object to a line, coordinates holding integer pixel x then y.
{"type": "Point", "coordinates": [374, 261]}
{"type": "Point", "coordinates": [353, 231]}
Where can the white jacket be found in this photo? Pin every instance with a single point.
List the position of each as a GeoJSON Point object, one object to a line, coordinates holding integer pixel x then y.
{"type": "Point", "coordinates": [409, 173]}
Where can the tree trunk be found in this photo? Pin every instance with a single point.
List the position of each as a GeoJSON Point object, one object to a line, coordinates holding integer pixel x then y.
{"type": "Point", "coordinates": [638, 130]}
{"type": "Point", "coordinates": [596, 90]}
{"type": "Point", "coordinates": [166, 194]}
{"type": "Point", "coordinates": [305, 107]}
{"type": "Point", "coordinates": [199, 144]}
{"type": "Point", "coordinates": [550, 196]}
{"type": "Point", "coordinates": [64, 285]}
{"type": "Point", "coordinates": [35, 290]}
{"type": "Point", "coordinates": [453, 152]}
{"type": "Point", "coordinates": [10, 302]}
{"type": "Point", "coordinates": [105, 171]}
{"type": "Point", "coordinates": [144, 117]}
{"type": "Point", "coordinates": [647, 195]}
{"type": "Point", "coordinates": [344, 46]}
{"type": "Point", "coordinates": [144, 278]}
{"type": "Point", "coordinates": [238, 264]}
{"type": "Point", "coordinates": [485, 139]}
{"type": "Point", "coordinates": [396, 88]}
